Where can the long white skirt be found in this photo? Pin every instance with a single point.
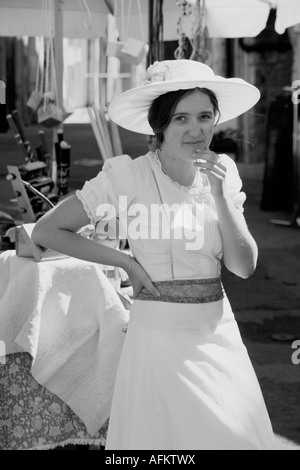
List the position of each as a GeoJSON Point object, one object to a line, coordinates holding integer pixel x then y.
{"type": "Point", "coordinates": [185, 381]}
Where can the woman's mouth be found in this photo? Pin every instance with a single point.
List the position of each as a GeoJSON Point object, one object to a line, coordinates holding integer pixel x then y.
{"type": "Point", "coordinates": [199, 143]}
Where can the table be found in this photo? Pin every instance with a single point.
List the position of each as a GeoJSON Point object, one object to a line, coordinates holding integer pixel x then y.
{"type": "Point", "coordinates": [62, 327]}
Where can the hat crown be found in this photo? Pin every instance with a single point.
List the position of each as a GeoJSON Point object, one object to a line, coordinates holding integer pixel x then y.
{"type": "Point", "coordinates": [177, 70]}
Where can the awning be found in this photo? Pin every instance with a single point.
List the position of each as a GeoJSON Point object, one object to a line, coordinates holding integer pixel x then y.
{"type": "Point", "coordinates": [87, 19]}
{"type": "Point", "coordinates": [225, 18]}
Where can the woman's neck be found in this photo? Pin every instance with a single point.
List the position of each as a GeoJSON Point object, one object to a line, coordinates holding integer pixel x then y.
{"type": "Point", "coordinates": [181, 171]}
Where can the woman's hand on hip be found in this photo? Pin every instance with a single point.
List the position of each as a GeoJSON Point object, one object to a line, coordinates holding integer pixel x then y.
{"type": "Point", "coordinates": [139, 278]}
{"type": "Point", "coordinates": [210, 163]}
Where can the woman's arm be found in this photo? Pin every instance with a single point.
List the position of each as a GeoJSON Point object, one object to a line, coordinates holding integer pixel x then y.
{"type": "Point", "coordinates": [239, 247]}
{"type": "Point", "coordinates": [57, 230]}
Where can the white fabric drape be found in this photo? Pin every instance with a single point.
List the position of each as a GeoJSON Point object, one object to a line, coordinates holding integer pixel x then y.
{"type": "Point", "coordinates": [287, 14]}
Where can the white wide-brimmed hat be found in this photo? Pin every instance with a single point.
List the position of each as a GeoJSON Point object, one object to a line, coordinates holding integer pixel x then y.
{"type": "Point", "coordinates": [130, 109]}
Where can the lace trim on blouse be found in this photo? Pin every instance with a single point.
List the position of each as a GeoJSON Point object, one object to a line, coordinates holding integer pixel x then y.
{"type": "Point", "coordinates": [156, 158]}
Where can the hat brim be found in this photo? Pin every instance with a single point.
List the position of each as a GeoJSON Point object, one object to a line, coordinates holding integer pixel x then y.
{"type": "Point", "coordinates": [130, 109]}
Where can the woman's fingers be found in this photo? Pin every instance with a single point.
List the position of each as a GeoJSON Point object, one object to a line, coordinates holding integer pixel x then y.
{"type": "Point", "coordinates": [211, 164]}
{"type": "Point", "coordinates": [139, 279]}
{"type": "Point", "coordinates": [137, 288]}
{"type": "Point", "coordinates": [151, 288]}
{"type": "Point", "coordinates": [219, 170]}
{"type": "Point", "coordinates": [209, 161]}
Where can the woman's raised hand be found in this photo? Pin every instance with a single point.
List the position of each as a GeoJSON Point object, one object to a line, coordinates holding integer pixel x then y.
{"type": "Point", "coordinates": [139, 278]}
{"type": "Point", "coordinates": [210, 163]}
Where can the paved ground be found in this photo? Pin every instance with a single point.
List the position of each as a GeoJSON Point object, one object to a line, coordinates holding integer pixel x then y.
{"type": "Point", "coordinates": [267, 305]}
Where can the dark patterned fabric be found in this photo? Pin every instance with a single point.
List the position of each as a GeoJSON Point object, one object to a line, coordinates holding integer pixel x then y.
{"type": "Point", "coordinates": [186, 291]}
{"type": "Point", "coordinates": [31, 417]}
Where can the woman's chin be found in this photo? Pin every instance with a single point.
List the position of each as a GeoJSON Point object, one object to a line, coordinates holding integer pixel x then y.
{"type": "Point", "coordinates": [191, 153]}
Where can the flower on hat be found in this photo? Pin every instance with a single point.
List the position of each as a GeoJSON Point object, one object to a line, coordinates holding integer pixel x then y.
{"type": "Point", "coordinates": [156, 73]}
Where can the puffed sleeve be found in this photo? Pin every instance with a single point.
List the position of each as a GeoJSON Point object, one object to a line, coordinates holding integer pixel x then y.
{"type": "Point", "coordinates": [234, 183]}
{"type": "Point", "coordinates": [112, 189]}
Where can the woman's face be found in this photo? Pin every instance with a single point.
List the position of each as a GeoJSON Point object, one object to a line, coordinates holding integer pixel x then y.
{"type": "Point", "coordinates": [191, 126]}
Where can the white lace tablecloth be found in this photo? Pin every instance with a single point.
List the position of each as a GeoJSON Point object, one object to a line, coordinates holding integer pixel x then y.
{"type": "Point", "coordinates": [69, 318]}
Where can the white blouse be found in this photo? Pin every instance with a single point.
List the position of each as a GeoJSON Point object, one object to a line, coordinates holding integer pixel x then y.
{"type": "Point", "coordinates": [172, 230]}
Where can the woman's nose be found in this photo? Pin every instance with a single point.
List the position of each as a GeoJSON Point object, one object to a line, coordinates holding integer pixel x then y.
{"type": "Point", "coordinates": [195, 129]}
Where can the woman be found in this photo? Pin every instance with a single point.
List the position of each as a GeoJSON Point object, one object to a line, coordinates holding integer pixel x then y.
{"type": "Point", "coordinates": [185, 380]}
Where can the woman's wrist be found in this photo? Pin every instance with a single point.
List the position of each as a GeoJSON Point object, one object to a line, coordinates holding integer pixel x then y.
{"type": "Point", "coordinates": [223, 199]}
{"type": "Point", "coordinates": [131, 260]}
{"type": "Point", "coordinates": [127, 262]}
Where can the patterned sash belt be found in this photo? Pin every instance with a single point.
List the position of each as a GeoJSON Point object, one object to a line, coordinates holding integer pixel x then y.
{"type": "Point", "coordinates": [186, 291]}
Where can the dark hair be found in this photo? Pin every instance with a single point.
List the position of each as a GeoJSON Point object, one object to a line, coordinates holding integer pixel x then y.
{"type": "Point", "coordinates": [162, 108]}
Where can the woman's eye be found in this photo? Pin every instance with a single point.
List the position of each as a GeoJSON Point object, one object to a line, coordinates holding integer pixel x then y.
{"type": "Point", "coordinates": [179, 118]}
{"type": "Point", "coordinates": [205, 116]}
